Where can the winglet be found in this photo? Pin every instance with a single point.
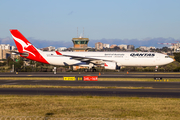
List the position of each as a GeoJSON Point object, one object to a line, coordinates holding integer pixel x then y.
{"type": "Point", "coordinates": [58, 53]}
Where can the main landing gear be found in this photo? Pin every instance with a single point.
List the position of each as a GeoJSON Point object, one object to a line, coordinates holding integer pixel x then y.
{"type": "Point", "coordinates": [90, 70]}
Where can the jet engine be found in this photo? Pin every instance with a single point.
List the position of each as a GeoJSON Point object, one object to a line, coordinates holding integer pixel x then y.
{"type": "Point", "coordinates": [111, 66]}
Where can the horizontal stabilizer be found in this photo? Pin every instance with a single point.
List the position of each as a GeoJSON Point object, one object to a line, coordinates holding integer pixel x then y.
{"type": "Point", "coordinates": [25, 54]}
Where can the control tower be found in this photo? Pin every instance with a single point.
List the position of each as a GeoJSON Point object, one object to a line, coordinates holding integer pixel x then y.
{"type": "Point", "coordinates": [80, 44]}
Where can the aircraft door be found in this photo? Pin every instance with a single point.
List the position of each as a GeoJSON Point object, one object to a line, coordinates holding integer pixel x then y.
{"type": "Point", "coordinates": [126, 57]}
{"type": "Point", "coordinates": [157, 57]}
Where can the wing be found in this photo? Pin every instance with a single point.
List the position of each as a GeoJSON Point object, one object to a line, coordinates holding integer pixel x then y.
{"type": "Point", "coordinates": [86, 59]}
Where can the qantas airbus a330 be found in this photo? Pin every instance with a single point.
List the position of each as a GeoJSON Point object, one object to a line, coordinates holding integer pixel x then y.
{"type": "Point", "coordinates": [109, 60]}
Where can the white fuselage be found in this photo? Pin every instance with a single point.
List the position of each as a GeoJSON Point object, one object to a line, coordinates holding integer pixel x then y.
{"type": "Point", "coordinates": [110, 60]}
{"type": "Point", "coordinates": [121, 58]}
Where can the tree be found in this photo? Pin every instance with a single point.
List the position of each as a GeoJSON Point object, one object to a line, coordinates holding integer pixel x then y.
{"type": "Point", "coordinates": [116, 48]}
{"type": "Point", "coordinates": [138, 49]}
{"type": "Point", "coordinates": [165, 49]}
{"type": "Point", "coordinates": [9, 61]}
{"type": "Point", "coordinates": [18, 65]}
{"type": "Point", "coordinates": [177, 56]}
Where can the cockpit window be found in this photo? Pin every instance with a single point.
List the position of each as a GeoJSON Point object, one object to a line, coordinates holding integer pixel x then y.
{"type": "Point", "coordinates": [167, 57]}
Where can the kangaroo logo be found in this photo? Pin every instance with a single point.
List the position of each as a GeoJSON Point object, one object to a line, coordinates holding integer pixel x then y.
{"type": "Point", "coordinates": [105, 65]}
{"type": "Point", "coordinates": [23, 44]}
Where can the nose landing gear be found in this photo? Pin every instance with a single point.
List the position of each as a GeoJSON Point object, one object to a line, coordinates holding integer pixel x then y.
{"type": "Point", "coordinates": [156, 68]}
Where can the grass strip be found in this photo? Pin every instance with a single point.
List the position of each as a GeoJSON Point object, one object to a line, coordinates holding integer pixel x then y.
{"type": "Point", "coordinates": [142, 73]}
{"type": "Point", "coordinates": [73, 87]}
{"type": "Point", "coordinates": [125, 108]}
{"type": "Point", "coordinates": [31, 78]}
{"type": "Point", "coordinates": [154, 73]}
{"type": "Point", "coordinates": [140, 79]}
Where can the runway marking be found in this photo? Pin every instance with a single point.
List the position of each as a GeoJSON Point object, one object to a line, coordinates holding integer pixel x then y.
{"type": "Point", "coordinates": [71, 87]}
{"type": "Point", "coordinates": [9, 84]}
{"type": "Point", "coordinates": [29, 75]}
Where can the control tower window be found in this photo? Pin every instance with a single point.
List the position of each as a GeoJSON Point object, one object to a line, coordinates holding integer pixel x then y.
{"type": "Point", "coordinates": [83, 42]}
{"type": "Point", "coordinates": [77, 42]}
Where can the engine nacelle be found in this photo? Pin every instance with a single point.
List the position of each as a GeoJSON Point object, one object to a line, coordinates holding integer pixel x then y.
{"type": "Point", "coordinates": [111, 65]}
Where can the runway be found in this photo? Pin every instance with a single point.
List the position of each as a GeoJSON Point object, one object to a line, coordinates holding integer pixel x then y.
{"type": "Point", "coordinates": [159, 89]}
{"type": "Point", "coordinates": [102, 74]}
{"type": "Point", "coordinates": [94, 92]}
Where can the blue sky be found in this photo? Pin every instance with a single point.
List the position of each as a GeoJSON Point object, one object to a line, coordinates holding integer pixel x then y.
{"type": "Point", "coordinates": [58, 20]}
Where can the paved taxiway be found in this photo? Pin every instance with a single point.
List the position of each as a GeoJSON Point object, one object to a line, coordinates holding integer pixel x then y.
{"type": "Point", "coordinates": [159, 89]}
{"type": "Point", "coordinates": [172, 93]}
{"type": "Point", "coordinates": [103, 74]}
{"type": "Point", "coordinates": [92, 83]}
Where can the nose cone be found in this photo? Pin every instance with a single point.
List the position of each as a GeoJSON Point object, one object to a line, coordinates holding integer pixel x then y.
{"type": "Point", "coordinates": [171, 60]}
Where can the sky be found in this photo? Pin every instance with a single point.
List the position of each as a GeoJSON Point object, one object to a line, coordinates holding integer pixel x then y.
{"type": "Point", "coordinates": [57, 20]}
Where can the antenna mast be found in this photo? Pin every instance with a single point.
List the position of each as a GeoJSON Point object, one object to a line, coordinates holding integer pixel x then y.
{"type": "Point", "coordinates": [83, 31]}
{"type": "Point", "coordinates": [77, 32]}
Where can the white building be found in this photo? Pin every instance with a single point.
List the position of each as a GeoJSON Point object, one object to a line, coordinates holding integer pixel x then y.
{"type": "Point", "coordinates": [143, 48]}
{"type": "Point", "coordinates": [122, 46]}
{"type": "Point", "coordinates": [98, 45]}
{"type": "Point", "coordinates": [13, 47]}
{"type": "Point", "coordinates": [5, 46]}
{"type": "Point", "coordinates": [146, 48]}
{"type": "Point", "coordinates": [51, 48]}
{"type": "Point", "coordinates": [151, 47]}
{"type": "Point", "coordinates": [106, 45]}
{"type": "Point", "coordinates": [176, 47]}
{"type": "Point", "coordinates": [61, 48]}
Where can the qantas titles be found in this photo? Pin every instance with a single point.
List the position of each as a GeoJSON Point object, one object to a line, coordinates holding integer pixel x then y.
{"type": "Point", "coordinates": [142, 54]}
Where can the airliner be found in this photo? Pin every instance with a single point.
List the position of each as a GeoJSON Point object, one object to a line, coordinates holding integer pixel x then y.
{"type": "Point", "coordinates": [108, 60]}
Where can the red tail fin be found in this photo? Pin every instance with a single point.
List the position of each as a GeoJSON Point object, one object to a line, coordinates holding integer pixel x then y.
{"type": "Point", "coordinates": [24, 46]}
